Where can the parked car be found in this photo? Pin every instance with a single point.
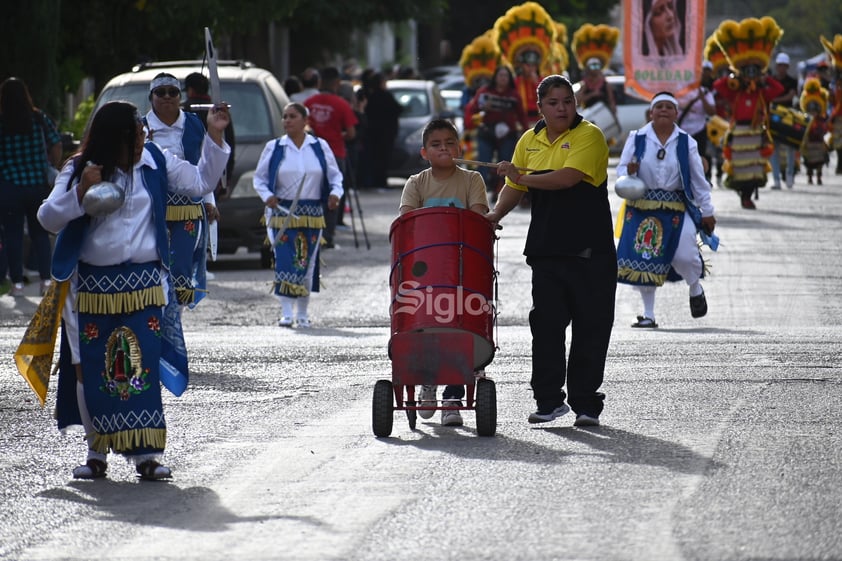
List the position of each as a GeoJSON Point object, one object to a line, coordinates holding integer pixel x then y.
{"type": "Point", "coordinates": [421, 101]}
{"type": "Point", "coordinates": [631, 110]}
{"type": "Point", "coordinates": [257, 100]}
{"type": "Point", "coordinates": [453, 101]}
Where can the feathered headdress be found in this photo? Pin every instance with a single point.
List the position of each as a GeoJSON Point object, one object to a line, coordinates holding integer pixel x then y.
{"type": "Point", "coordinates": [526, 34]}
{"type": "Point", "coordinates": [480, 58]}
{"type": "Point", "coordinates": [715, 55]}
{"type": "Point", "coordinates": [559, 55]}
{"type": "Point", "coordinates": [834, 50]}
{"type": "Point", "coordinates": [814, 93]}
{"type": "Point", "coordinates": [594, 41]}
{"type": "Point", "coordinates": [750, 41]}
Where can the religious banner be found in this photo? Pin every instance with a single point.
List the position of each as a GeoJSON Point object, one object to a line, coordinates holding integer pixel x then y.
{"type": "Point", "coordinates": [663, 42]}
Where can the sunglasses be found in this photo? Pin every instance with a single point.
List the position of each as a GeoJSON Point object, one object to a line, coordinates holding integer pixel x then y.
{"type": "Point", "coordinates": [172, 92]}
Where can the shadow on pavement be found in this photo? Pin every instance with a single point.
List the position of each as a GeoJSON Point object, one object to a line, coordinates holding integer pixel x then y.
{"type": "Point", "coordinates": [195, 509]}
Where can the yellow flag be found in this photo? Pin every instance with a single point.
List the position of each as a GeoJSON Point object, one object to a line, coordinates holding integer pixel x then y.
{"type": "Point", "coordinates": [621, 217]}
{"type": "Point", "coordinates": [34, 356]}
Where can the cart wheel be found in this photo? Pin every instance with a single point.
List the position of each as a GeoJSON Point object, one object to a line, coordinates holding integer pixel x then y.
{"type": "Point", "coordinates": [382, 408]}
{"type": "Point", "coordinates": [486, 407]}
{"type": "Point", "coordinates": [412, 416]}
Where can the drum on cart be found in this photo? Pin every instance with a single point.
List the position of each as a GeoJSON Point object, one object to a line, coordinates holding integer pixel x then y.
{"type": "Point", "coordinates": [601, 115]}
{"type": "Point", "coordinates": [787, 125]}
{"type": "Point", "coordinates": [442, 311]}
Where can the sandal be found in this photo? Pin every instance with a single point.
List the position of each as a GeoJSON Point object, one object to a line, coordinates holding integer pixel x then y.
{"type": "Point", "coordinates": [150, 470]}
{"type": "Point", "coordinates": [92, 469]}
{"type": "Point", "coordinates": [645, 322]}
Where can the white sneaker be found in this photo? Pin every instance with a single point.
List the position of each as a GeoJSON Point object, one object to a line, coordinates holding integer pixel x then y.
{"type": "Point", "coordinates": [45, 286]}
{"type": "Point", "coordinates": [544, 417]}
{"type": "Point", "coordinates": [17, 289]}
{"type": "Point", "coordinates": [451, 417]}
{"type": "Point", "coordinates": [427, 398]}
{"type": "Point", "coordinates": [285, 322]}
{"type": "Point", "coordinates": [302, 323]}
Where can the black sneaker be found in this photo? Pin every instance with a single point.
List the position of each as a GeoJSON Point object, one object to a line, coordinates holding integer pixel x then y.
{"type": "Point", "coordinates": [585, 420]}
{"type": "Point", "coordinates": [698, 305]}
{"type": "Point", "coordinates": [546, 416]}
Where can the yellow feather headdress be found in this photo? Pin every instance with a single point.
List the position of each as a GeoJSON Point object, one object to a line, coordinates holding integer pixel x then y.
{"type": "Point", "coordinates": [750, 41]}
{"type": "Point", "coordinates": [834, 49]}
{"type": "Point", "coordinates": [813, 92]}
{"type": "Point", "coordinates": [480, 58]}
{"type": "Point", "coordinates": [526, 34]}
{"type": "Point", "coordinates": [595, 41]}
{"type": "Point", "coordinates": [715, 55]}
{"type": "Point", "coordinates": [559, 55]}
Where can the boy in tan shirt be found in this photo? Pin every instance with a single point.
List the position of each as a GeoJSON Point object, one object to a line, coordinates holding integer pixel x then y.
{"type": "Point", "coordinates": [443, 184]}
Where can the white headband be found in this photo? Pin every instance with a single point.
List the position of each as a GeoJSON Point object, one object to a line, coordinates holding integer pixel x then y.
{"type": "Point", "coordinates": [663, 97]}
{"type": "Point", "coordinates": [164, 81]}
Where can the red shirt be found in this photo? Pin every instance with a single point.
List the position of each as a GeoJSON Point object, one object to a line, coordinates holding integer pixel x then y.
{"type": "Point", "coordinates": [505, 107]}
{"type": "Point", "coordinates": [330, 115]}
{"type": "Point", "coordinates": [746, 105]}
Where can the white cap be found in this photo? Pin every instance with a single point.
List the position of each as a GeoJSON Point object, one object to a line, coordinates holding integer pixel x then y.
{"type": "Point", "coordinates": [782, 58]}
{"type": "Point", "coordinates": [707, 64]}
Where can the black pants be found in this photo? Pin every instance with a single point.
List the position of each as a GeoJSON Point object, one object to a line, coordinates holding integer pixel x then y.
{"type": "Point", "coordinates": [701, 139]}
{"type": "Point", "coordinates": [577, 291]}
{"type": "Point", "coordinates": [332, 216]}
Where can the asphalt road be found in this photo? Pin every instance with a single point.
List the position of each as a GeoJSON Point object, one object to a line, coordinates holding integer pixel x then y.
{"type": "Point", "coordinates": [720, 438]}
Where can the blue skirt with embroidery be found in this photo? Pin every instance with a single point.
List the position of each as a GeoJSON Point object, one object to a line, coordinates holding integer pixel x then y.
{"type": "Point", "coordinates": [651, 231]}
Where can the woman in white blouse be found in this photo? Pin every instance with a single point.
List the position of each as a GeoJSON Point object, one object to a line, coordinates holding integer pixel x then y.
{"type": "Point", "coordinates": [295, 176]}
{"type": "Point", "coordinates": [114, 269]}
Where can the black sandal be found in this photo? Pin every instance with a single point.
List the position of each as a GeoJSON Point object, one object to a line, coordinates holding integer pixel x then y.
{"type": "Point", "coordinates": [150, 470]}
{"type": "Point", "coordinates": [92, 469]}
{"type": "Point", "coordinates": [644, 322]}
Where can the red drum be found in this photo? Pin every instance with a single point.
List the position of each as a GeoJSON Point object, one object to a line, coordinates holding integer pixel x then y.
{"type": "Point", "coordinates": [442, 289]}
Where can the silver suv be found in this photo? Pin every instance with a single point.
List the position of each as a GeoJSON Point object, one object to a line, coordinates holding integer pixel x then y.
{"type": "Point", "coordinates": [257, 101]}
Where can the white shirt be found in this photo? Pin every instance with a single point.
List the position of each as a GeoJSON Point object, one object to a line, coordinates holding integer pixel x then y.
{"type": "Point", "coordinates": [298, 163]}
{"type": "Point", "coordinates": [696, 118]}
{"type": "Point", "coordinates": [128, 234]}
{"type": "Point", "coordinates": [301, 97]}
{"type": "Point", "coordinates": [664, 174]}
{"type": "Point", "coordinates": [170, 137]}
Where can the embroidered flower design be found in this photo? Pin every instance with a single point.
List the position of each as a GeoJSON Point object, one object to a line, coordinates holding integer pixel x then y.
{"type": "Point", "coordinates": [90, 333]}
{"type": "Point", "coordinates": [154, 325]}
{"type": "Point", "coordinates": [190, 227]}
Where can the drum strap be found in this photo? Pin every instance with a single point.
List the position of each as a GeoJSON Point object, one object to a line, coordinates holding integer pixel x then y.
{"type": "Point", "coordinates": [686, 110]}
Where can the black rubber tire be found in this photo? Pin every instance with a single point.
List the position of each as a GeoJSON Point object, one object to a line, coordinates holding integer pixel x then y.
{"type": "Point", "coordinates": [486, 407]}
{"type": "Point", "coordinates": [383, 408]}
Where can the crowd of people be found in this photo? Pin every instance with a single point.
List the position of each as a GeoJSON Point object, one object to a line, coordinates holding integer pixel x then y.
{"type": "Point", "coordinates": [116, 298]}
